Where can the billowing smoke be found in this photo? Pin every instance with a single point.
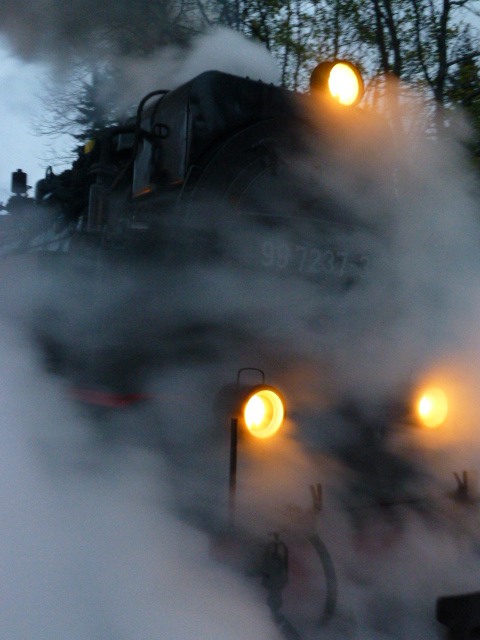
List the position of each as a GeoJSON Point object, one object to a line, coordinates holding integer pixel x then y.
{"type": "Point", "coordinates": [220, 49]}
{"type": "Point", "coordinates": [90, 547]}
{"type": "Point", "coordinates": [110, 505]}
{"type": "Point", "coordinates": [53, 30]}
{"type": "Point", "coordinates": [146, 42]}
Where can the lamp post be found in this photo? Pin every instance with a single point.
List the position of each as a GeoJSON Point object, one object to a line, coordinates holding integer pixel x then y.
{"type": "Point", "coordinates": [261, 408]}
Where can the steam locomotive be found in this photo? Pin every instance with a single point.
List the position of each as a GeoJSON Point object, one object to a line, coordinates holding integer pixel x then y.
{"type": "Point", "coordinates": [228, 185]}
{"type": "Point", "coordinates": [224, 223]}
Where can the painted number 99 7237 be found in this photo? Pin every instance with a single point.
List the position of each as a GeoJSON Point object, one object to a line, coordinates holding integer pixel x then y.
{"type": "Point", "coordinates": [311, 260]}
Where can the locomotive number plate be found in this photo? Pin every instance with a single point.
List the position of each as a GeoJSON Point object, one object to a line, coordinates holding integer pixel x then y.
{"type": "Point", "coordinates": [311, 260]}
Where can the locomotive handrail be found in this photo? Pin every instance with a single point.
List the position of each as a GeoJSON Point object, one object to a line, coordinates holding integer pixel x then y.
{"type": "Point", "coordinates": [137, 131]}
{"type": "Point", "coordinates": [138, 121]}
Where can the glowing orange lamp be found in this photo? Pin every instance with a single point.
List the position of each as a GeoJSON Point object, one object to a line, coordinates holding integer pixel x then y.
{"type": "Point", "coordinates": [339, 80]}
{"type": "Point", "coordinates": [264, 412]}
{"type": "Point", "coordinates": [432, 407]}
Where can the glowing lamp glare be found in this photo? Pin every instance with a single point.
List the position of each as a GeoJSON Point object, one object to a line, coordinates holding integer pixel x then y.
{"type": "Point", "coordinates": [433, 408]}
{"type": "Point", "coordinates": [264, 413]}
{"type": "Point", "coordinates": [344, 84]}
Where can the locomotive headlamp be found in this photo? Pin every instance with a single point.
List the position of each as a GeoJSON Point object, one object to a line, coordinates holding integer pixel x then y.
{"type": "Point", "coordinates": [339, 80]}
{"type": "Point", "coordinates": [344, 84]}
{"type": "Point", "coordinates": [264, 412]}
{"type": "Point", "coordinates": [432, 407]}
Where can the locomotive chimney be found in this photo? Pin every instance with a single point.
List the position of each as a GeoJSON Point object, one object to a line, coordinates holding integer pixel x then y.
{"type": "Point", "coordinates": [19, 183]}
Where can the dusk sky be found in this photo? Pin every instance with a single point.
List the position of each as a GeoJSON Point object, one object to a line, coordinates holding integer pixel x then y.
{"type": "Point", "coordinates": [20, 87]}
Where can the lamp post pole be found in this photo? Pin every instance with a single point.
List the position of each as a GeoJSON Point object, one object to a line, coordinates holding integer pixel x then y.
{"type": "Point", "coordinates": [232, 483]}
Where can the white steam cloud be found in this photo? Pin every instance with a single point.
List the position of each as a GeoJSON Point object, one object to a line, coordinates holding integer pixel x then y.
{"type": "Point", "coordinates": [96, 540]}
{"type": "Point", "coordinates": [89, 546]}
{"type": "Point", "coordinates": [219, 50]}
